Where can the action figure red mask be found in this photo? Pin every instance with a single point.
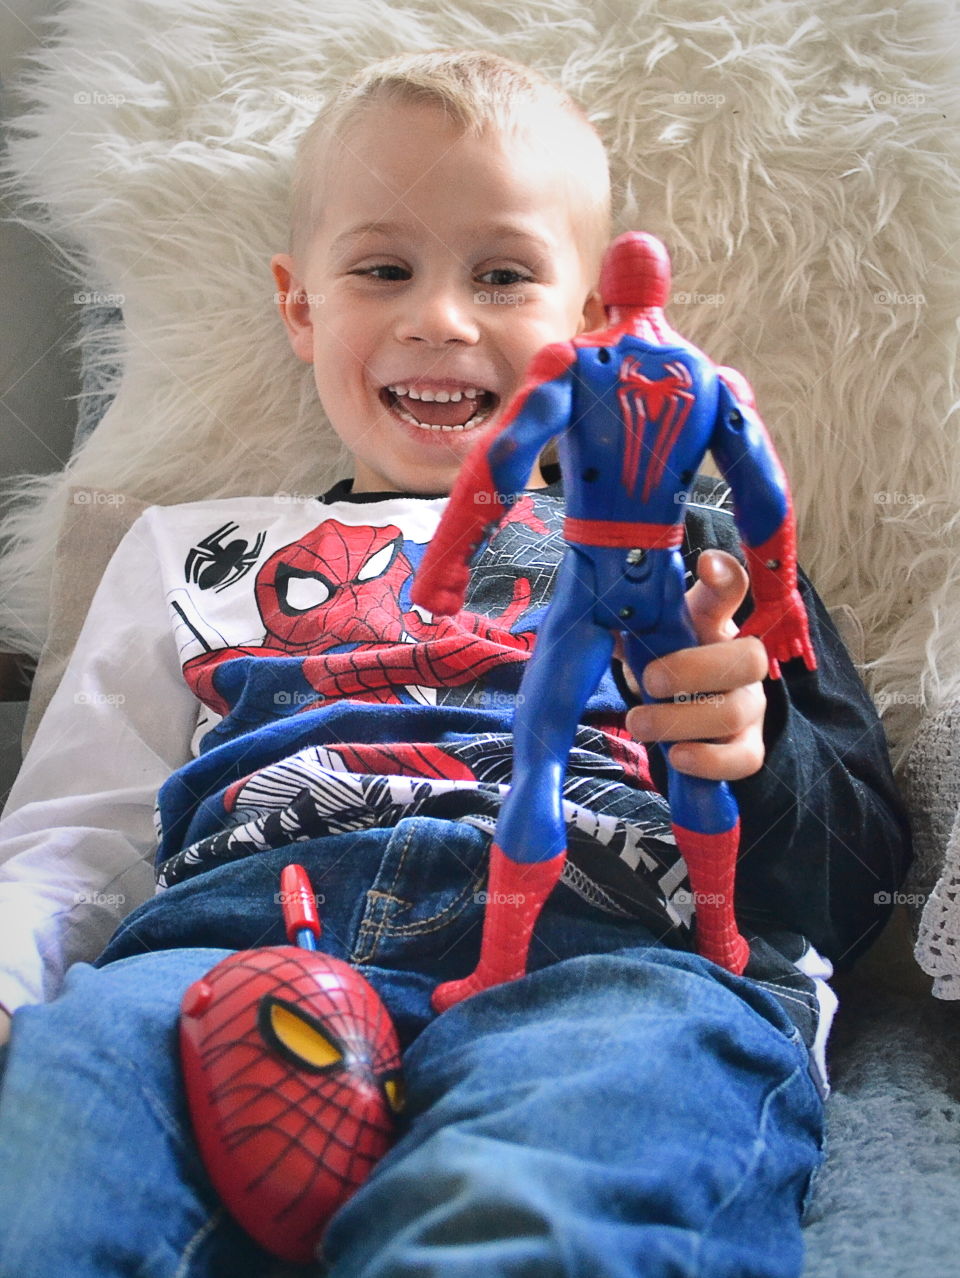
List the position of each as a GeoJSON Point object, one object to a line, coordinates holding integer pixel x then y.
{"type": "Point", "coordinates": [291, 1065]}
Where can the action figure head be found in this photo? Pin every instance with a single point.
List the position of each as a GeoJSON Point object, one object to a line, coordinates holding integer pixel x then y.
{"type": "Point", "coordinates": [450, 211]}
{"type": "Point", "coordinates": [635, 287]}
{"type": "Point", "coordinates": [636, 272]}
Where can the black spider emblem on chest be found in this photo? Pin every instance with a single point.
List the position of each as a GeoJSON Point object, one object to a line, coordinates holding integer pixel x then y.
{"type": "Point", "coordinates": [216, 563]}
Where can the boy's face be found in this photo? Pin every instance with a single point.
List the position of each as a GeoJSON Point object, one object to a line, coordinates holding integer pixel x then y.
{"type": "Point", "coordinates": [442, 264]}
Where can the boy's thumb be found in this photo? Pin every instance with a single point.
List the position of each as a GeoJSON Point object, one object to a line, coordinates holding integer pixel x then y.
{"type": "Point", "coordinates": [715, 596]}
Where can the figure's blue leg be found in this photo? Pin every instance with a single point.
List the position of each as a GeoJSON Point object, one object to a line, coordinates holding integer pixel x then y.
{"type": "Point", "coordinates": [529, 847]}
{"type": "Point", "coordinates": [704, 817]}
{"type": "Point", "coordinates": [572, 653]}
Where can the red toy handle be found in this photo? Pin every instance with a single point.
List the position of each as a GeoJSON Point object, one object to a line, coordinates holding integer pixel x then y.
{"type": "Point", "coordinates": [299, 905]}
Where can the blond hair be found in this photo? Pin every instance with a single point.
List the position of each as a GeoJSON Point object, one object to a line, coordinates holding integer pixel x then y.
{"type": "Point", "coordinates": [477, 91]}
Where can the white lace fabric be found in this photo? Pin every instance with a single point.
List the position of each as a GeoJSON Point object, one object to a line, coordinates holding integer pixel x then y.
{"type": "Point", "coordinates": [932, 892]}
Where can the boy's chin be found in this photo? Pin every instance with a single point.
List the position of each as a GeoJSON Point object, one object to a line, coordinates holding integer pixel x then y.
{"type": "Point", "coordinates": [424, 465]}
{"type": "Point", "coordinates": [410, 479]}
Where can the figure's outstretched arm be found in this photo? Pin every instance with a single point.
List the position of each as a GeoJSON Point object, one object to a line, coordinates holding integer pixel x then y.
{"type": "Point", "coordinates": [764, 516]}
{"type": "Point", "coordinates": [493, 476]}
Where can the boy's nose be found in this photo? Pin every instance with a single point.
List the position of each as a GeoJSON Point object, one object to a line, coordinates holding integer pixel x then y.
{"type": "Point", "coordinates": [438, 316]}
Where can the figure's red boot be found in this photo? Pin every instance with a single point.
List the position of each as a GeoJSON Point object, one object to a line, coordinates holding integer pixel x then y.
{"type": "Point", "coordinates": [516, 893]}
{"type": "Point", "coordinates": [712, 866]}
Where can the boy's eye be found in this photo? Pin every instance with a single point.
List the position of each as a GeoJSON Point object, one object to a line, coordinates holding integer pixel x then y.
{"type": "Point", "coordinates": [504, 276]}
{"type": "Point", "coordinates": [383, 272]}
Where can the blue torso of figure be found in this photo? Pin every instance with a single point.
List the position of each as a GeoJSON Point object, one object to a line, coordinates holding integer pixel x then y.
{"type": "Point", "coordinates": [642, 419]}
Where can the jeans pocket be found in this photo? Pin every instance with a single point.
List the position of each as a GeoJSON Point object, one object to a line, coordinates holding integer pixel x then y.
{"type": "Point", "coordinates": [426, 894]}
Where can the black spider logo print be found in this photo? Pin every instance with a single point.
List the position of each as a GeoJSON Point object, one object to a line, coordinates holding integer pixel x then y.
{"type": "Point", "coordinates": [216, 564]}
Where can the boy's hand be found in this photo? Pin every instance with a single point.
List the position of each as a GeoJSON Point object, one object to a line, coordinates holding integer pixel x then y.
{"type": "Point", "coordinates": [5, 1020]}
{"type": "Point", "coordinates": [719, 727]}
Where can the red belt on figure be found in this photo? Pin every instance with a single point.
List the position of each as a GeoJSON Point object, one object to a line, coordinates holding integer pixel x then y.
{"type": "Point", "coordinates": [623, 534]}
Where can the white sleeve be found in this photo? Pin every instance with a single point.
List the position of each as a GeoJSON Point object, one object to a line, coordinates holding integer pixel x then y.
{"type": "Point", "coordinates": [77, 836]}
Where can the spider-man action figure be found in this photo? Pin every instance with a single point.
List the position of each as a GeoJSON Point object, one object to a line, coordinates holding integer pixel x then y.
{"type": "Point", "coordinates": [635, 407]}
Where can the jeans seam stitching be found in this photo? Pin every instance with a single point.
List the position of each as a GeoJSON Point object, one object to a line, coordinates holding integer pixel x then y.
{"type": "Point", "coordinates": [154, 1102]}
{"type": "Point", "coordinates": [376, 895]}
{"type": "Point", "coordinates": [206, 1228]}
{"type": "Point", "coordinates": [760, 1145]}
{"type": "Point", "coordinates": [375, 930]}
{"type": "Point", "coordinates": [178, 1134]}
{"type": "Point", "coordinates": [373, 941]}
{"type": "Point", "coordinates": [407, 840]}
{"type": "Point", "coordinates": [440, 918]}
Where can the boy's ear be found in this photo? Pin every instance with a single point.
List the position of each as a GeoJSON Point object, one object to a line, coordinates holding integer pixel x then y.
{"type": "Point", "coordinates": [294, 308]}
{"type": "Point", "coordinates": [594, 315]}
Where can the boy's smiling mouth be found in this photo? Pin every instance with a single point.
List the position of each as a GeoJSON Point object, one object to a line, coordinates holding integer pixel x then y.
{"type": "Point", "coordinates": [438, 407]}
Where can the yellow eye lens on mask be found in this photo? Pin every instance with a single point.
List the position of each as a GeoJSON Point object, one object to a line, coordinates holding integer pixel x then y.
{"type": "Point", "coordinates": [301, 1038]}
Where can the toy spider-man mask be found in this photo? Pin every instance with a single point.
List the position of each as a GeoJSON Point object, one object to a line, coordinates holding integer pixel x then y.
{"type": "Point", "coordinates": [291, 1065]}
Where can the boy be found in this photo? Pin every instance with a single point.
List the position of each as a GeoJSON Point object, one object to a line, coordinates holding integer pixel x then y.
{"type": "Point", "coordinates": [628, 1107]}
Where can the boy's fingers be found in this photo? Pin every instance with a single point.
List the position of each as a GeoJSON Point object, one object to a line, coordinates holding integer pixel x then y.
{"type": "Point", "coordinates": [718, 592]}
{"type": "Point", "coordinates": [710, 716]}
{"type": "Point", "coordinates": [718, 739]}
{"type": "Point", "coordinates": [619, 654]}
{"type": "Point", "coordinates": [731, 762]}
{"type": "Point", "coordinates": [718, 758]}
{"type": "Point", "coordinates": [716, 667]}
{"type": "Point", "coordinates": [723, 661]}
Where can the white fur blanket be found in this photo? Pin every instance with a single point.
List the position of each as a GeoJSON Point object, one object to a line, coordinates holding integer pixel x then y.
{"type": "Point", "coordinates": [799, 158]}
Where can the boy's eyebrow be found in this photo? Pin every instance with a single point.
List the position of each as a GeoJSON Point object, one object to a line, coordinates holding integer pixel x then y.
{"type": "Point", "coordinates": [498, 230]}
{"type": "Point", "coordinates": [366, 228]}
{"type": "Point", "coordinates": [515, 231]}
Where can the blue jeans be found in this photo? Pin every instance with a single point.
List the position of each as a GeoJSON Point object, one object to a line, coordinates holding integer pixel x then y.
{"type": "Point", "coordinates": [626, 1109]}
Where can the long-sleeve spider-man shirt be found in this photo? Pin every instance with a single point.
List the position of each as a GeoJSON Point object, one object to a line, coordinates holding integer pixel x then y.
{"type": "Point", "coordinates": [261, 662]}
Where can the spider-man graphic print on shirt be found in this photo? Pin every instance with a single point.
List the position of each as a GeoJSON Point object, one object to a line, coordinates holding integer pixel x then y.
{"type": "Point", "coordinates": [338, 599]}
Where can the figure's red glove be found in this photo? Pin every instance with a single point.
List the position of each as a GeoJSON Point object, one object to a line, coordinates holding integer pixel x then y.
{"type": "Point", "coordinates": [782, 628]}
{"type": "Point", "coordinates": [474, 507]}
{"type": "Point", "coordinates": [779, 619]}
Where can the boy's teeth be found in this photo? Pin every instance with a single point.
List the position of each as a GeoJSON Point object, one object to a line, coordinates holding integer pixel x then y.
{"type": "Point", "coordinates": [441, 410]}
{"type": "Point", "coordinates": [408, 417]}
{"type": "Point", "coordinates": [435, 397]}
